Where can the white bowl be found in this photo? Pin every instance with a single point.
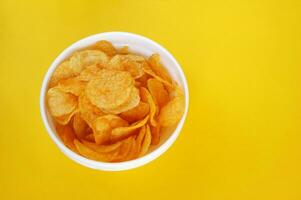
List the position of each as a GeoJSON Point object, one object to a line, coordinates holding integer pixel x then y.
{"type": "Point", "coordinates": [138, 44]}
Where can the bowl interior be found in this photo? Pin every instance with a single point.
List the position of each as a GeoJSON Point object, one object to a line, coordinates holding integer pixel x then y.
{"type": "Point", "coordinates": [137, 44]}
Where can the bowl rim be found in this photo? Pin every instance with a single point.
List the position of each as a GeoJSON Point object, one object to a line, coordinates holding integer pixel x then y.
{"type": "Point", "coordinates": [117, 166]}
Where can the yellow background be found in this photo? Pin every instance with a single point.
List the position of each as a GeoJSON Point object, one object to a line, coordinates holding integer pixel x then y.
{"type": "Point", "coordinates": [242, 136]}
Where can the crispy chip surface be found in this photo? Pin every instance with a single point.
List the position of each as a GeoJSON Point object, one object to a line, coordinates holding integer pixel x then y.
{"type": "Point", "coordinates": [158, 92]}
{"type": "Point", "coordinates": [60, 103]}
{"type": "Point", "coordinates": [72, 85]}
{"type": "Point", "coordinates": [106, 47]}
{"type": "Point", "coordinates": [130, 63]}
{"type": "Point", "coordinates": [110, 89]}
{"type": "Point", "coordinates": [172, 112]}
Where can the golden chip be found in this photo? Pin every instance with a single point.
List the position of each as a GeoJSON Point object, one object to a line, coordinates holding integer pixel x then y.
{"type": "Point", "coordinates": [79, 126]}
{"type": "Point", "coordinates": [89, 153]}
{"type": "Point", "coordinates": [132, 102]}
{"type": "Point", "coordinates": [106, 47]}
{"type": "Point", "coordinates": [123, 50]}
{"type": "Point", "coordinates": [131, 63]}
{"type": "Point", "coordinates": [102, 148]}
{"type": "Point", "coordinates": [152, 106]}
{"type": "Point", "coordinates": [146, 141]}
{"type": "Point", "coordinates": [72, 85]}
{"type": "Point", "coordinates": [67, 136]}
{"type": "Point", "coordinates": [155, 131]}
{"type": "Point", "coordinates": [89, 73]}
{"type": "Point", "coordinates": [60, 103]}
{"type": "Point", "coordinates": [140, 137]}
{"type": "Point", "coordinates": [124, 150]}
{"type": "Point", "coordinates": [88, 111]}
{"type": "Point", "coordinates": [76, 64]}
{"type": "Point", "coordinates": [103, 126]}
{"type": "Point", "coordinates": [123, 132]}
{"type": "Point", "coordinates": [90, 137]}
{"type": "Point", "coordinates": [110, 89]}
{"type": "Point", "coordinates": [158, 92]}
{"type": "Point", "coordinates": [158, 68]}
{"type": "Point", "coordinates": [172, 112]}
{"type": "Point", "coordinates": [136, 113]}
{"type": "Point", "coordinates": [64, 119]}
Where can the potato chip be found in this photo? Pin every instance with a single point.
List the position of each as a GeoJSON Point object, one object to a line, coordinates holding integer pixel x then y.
{"type": "Point", "coordinates": [92, 57]}
{"type": "Point", "coordinates": [158, 92]}
{"type": "Point", "coordinates": [88, 111]}
{"type": "Point", "coordinates": [102, 148]}
{"type": "Point", "coordinates": [72, 85]}
{"type": "Point", "coordinates": [60, 103]}
{"type": "Point", "coordinates": [152, 106]}
{"type": "Point", "coordinates": [140, 137]}
{"type": "Point", "coordinates": [143, 80]}
{"type": "Point", "coordinates": [132, 102]}
{"type": "Point", "coordinates": [155, 131]}
{"type": "Point", "coordinates": [124, 150]}
{"type": "Point", "coordinates": [79, 126]}
{"type": "Point", "coordinates": [103, 126]}
{"type": "Point", "coordinates": [136, 113]}
{"type": "Point", "coordinates": [133, 153]}
{"type": "Point", "coordinates": [151, 73]}
{"type": "Point", "coordinates": [131, 63]}
{"type": "Point", "coordinates": [67, 136]}
{"type": "Point", "coordinates": [158, 68]}
{"type": "Point", "coordinates": [89, 153]}
{"type": "Point", "coordinates": [106, 47]}
{"type": "Point", "coordinates": [65, 119]}
{"type": "Point", "coordinates": [172, 112]}
{"type": "Point", "coordinates": [110, 89]}
{"type": "Point", "coordinates": [124, 50]}
{"type": "Point", "coordinates": [90, 137]}
{"type": "Point", "coordinates": [89, 73]}
{"type": "Point", "coordinates": [76, 64]}
{"type": "Point", "coordinates": [123, 132]}
{"type": "Point", "coordinates": [146, 141]}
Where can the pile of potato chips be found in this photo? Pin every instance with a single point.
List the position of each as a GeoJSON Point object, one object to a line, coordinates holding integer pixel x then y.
{"type": "Point", "coordinates": [110, 105]}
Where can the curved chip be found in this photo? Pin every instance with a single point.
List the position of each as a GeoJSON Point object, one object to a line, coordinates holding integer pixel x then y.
{"type": "Point", "coordinates": [88, 111]}
{"type": "Point", "coordinates": [172, 112]}
{"type": "Point", "coordinates": [124, 50]}
{"type": "Point", "coordinates": [90, 137]}
{"type": "Point", "coordinates": [152, 106]}
{"type": "Point", "coordinates": [76, 64]}
{"type": "Point", "coordinates": [106, 47]}
{"type": "Point", "coordinates": [158, 68]}
{"type": "Point", "coordinates": [65, 119]}
{"type": "Point", "coordinates": [103, 126]}
{"type": "Point", "coordinates": [146, 142]}
{"type": "Point", "coordinates": [102, 148]}
{"type": "Point", "coordinates": [72, 85]}
{"type": "Point", "coordinates": [123, 132]}
{"type": "Point", "coordinates": [124, 150]}
{"type": "Point", "coordinates": [60, 103]}
{"type": "Point", "coordinates": [136, 113]}
{"type": "Point", "coordinates": [131, 63]}
{"type": "Point", "coordinates": [140, 137]}
{"type": "Point", "coordinates": [110, 89]}
{"type": "Point", "coordinates": [79, 126]}
{"type": "Point", "coordinates": [67, 136]}
{"type": "Point", "coordinates": [89, 153]}
{"type": "Point", "coordinates": [89, 73]}
{"type": "Point", "coordinates": [132, 102]}
{"type": "Point", "coordinates": [158, 92]}
{"type": "Point", "coordinates": [155, 131]}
